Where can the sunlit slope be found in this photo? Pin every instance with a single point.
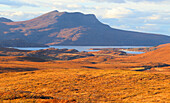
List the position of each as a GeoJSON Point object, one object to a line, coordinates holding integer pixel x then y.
{"type": "Point", "coordinates": [162, 54]}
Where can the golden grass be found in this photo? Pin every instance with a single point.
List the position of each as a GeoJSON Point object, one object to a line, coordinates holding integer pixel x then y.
{"type": "Point", "coordinates": [86, 85]}
{"type": "Point", "coordinates": [96, 79]}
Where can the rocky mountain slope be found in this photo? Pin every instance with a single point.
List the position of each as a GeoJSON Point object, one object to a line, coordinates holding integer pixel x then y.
{"type": "Point", "coordinates": [63, 28]}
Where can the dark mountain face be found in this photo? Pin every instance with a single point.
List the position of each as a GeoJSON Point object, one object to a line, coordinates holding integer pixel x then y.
{"type": "Point", "coordinates": [63, 28]}
{"type": "Point", "coordinates": [5, 20]}
{"type": "Point", "coordinates": [19, 43]}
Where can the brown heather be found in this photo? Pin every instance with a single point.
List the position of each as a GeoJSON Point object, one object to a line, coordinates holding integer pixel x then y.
{"type": "Point", "coordinates": [104, 77]}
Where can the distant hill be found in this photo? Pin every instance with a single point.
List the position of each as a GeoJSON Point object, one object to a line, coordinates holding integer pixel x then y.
{"type": "Point", "coordinates": [162, 55]}
{"type": "Point", "coordinates": [63, 28]}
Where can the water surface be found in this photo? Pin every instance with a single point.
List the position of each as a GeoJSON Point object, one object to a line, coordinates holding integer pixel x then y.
{"type": "Point", "coordinates": [82, 48]}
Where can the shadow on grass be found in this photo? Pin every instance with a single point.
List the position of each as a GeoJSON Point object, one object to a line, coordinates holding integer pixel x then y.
{"type": "Point", "coordinates": [32, 59]}
{"type": "Point", "coordinates": [11, 95]}
{"type": "Point", "coordinates": [150, 67]}
{"type": "Point", "coordinates": [90, 67]}
{"type": "Point", "coordinates": [5, 70]}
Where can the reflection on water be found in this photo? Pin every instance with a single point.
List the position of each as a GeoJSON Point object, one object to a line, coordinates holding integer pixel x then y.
{"type": "Point", "coordinates": [133, 52]}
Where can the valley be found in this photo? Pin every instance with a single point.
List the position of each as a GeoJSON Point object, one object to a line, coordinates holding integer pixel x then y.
{"type": "Point", "coordinates": [45, 74]}
{"type": "Point", "coordinates": [69, 76]}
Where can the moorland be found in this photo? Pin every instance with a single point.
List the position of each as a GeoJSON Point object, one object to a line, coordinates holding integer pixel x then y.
{"type": "Point", "coordinates": [68, 76]}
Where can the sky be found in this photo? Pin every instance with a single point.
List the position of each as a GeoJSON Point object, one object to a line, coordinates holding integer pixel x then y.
{"type": "Point", "coordinates": [150, 16]}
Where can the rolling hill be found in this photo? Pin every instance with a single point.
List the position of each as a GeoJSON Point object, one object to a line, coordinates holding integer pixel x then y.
{"type": "Point", "coordinates": [64, 28]}
{"type": "Point", "coordinates": [162, 54]}
{"type": "Point", "coordinates": [101, 78]}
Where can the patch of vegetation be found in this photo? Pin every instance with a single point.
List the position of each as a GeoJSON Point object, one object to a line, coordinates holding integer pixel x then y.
{"type": "Point", "coordinates": [46, 54]}
{"type": "Point", "coordinates": [88, 85]}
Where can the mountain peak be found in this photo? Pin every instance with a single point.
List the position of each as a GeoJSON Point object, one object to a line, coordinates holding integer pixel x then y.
{"type": "Point", "coordinates": [55, 11]}
{"type": "Point", "coordinates": [64, 19]}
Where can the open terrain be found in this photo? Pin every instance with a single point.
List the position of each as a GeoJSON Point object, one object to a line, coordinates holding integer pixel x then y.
{"type": "Point", "coordinates": [103, 76]}
{"type": "Point", "coordinates": [85, 85]}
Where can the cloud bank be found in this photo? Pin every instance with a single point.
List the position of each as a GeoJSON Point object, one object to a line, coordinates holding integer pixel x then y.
{"type": "Point", "coordinates": [16, 3]}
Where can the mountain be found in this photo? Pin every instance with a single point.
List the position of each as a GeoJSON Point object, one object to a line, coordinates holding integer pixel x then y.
{"type": "Point", "coordinates": [2, 19]}
{"type": "Point", "coordinates": [64, 28]}
{"type": "Point", "coordinates": [19, 43]}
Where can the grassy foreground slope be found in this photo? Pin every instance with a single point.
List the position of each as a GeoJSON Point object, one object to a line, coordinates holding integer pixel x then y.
{"type": "Point", "coordinates": [84, 86]}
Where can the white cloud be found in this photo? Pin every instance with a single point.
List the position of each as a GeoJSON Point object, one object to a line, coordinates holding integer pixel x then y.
{"type": "Point", "coordinates": [117, 13]}
{"type": "Point", "coordinates": [114, 1]}
{"type": "Point", "coordinates": [158, 18]}
{"type": "Point", "coordinates": [154, 17]}
{"type": "Point", "coordinates": [74, 6]}
{"type": "Point", "coordinates": [18, 15]}
{"type": "Point", "coordinates": [146, 0]}
{"type": "Point", "coordinates": [150, 24]}
{"type": "Point", "coordinates": [148, 27]}
{"type": "Point", "coordinates": [124, 1]}
{"type": "Point", "coordinates": [15, 3]}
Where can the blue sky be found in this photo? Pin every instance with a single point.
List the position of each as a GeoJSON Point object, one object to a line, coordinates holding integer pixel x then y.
{"type": "Point", "coordinates": [151, 16]}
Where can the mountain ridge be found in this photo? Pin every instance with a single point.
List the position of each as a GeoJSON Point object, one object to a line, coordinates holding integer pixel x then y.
{"type": "Point", "coordinates": [2, 19]}
{"type": "Point", "coordinates": [75, 28]}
